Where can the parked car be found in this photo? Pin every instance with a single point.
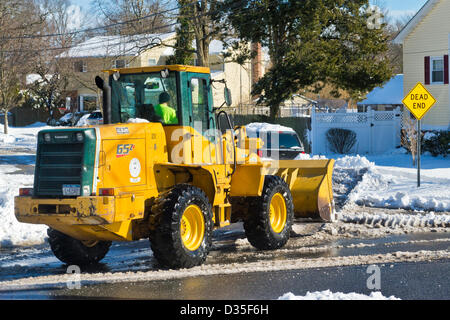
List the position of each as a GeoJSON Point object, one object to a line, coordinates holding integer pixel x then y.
{"type": "Point", "coordinates": [280, 143]}
{"type": "Point", "coordinates": [94, 118]}
{"type": "Point", "coordinates": [65, 120]}
{"type": "Point", "coordinates": [90, 119]}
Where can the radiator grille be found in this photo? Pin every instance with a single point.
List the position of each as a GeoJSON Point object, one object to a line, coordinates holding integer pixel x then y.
{"type": "Point", "coordinates": [57, 165]}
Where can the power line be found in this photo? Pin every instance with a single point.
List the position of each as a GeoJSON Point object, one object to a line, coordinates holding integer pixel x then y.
{"type": "Point", "coordinates": [37, 36]}
{"type": "Point", "coordinates": [101, 43]}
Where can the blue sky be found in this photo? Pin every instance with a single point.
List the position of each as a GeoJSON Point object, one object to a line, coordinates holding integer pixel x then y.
{"type": "Point", "coordinates": [397, 8]}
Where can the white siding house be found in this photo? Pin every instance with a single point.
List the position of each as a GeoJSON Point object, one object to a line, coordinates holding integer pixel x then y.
{"type": "Point", "coordinates": [426, 41]}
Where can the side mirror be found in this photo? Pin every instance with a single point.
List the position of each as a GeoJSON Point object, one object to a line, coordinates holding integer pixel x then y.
{"type": "Point", "coordinates": [116, 76]}
{"type": "Point", "coordinates": [228, 98]}
{"type": "Point", "coordinates": [164, 73]}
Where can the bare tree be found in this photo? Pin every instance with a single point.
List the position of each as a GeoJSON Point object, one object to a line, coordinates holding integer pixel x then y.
{"type": "Point", "coordinates": [18, 20]}
{"type": "Point", "coordinates": [142, 16]}
{"type": "Point", "coordinates": [409, 136]}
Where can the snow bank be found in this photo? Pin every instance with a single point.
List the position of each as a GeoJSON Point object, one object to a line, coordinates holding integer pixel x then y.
{"type": "Point", "coordinates": [328, 295]}
{"type": "Point", "coordinates": [398, 220]}
{"type": "Point", "coordinates": [395, 188]}
{"type": "Point", "coordinates": [391, 182]}
{"type": "Point", "coordinates": [13, 232]}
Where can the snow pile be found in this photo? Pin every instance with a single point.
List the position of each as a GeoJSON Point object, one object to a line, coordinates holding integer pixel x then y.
{"type": "Point", "coordinates": [390, 182]}
{"type": "Point", "coordinates": [328, 295]}
{"type": "Point", "coordinates": [398, 220]}
{"type": "Point", "coordinates": [353, 162]}
{"type": "Point", "coordinates": [13, 232]}
{"type": "Point", "coordinates": [394, 188]}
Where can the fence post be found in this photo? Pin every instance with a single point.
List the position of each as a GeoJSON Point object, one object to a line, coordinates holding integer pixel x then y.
{"type": "Point", "coordinates": [313, 130]}
{"type": "Point", "coordinates": [371, 124]}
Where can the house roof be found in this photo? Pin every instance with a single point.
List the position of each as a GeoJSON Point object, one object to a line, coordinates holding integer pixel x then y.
{"type": "Point", "coordinates": [115, 46]}
{"type": "Point", "coordinates": [390, 94]}
{"type": "Point", "coordinates": [412, 24]}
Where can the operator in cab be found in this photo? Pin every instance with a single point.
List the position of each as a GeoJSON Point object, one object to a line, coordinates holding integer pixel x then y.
{"type": "Point", "coordinates": [167, 114]}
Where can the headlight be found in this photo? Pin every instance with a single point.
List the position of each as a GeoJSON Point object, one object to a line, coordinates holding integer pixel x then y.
{"type": "Point", "coordinates": [79, 136]}
{"type": "Point", "coordinates": [47, 137]}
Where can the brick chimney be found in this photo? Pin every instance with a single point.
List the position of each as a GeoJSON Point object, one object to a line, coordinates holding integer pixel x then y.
{"type": "Point", "coordinates": [256, 63]}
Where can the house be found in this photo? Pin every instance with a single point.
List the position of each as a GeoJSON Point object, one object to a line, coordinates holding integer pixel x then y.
{"type": "Point", "coordinates": [89, 58]}
{"type": "Point", "coordinates": [426, 41]}
{"type": "Point", "coordinates": [385, 98]}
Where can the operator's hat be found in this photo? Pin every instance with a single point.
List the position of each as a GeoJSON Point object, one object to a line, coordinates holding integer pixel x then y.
{"type": "Point", "coordinates": [164, 97]}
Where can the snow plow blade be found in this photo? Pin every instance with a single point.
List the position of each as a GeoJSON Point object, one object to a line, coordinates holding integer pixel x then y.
{"type": "Point", "coordinates": [310, 182]}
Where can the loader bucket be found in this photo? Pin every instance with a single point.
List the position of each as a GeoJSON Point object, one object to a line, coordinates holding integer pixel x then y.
{"type": "Point", "coordinates": [310, 182]}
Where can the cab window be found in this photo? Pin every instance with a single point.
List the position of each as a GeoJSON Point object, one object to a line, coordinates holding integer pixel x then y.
{"type": "Point", "coordinates": [199, 96]}
{"type": "Point", "coordinates": [146, 96]}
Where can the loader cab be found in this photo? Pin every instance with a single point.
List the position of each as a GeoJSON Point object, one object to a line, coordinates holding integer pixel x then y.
{"type": "Point", "coordinates": [173, 95]}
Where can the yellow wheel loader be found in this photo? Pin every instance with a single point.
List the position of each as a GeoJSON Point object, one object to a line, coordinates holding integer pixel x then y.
{"type": "Point", "coordinates": [168, 166]}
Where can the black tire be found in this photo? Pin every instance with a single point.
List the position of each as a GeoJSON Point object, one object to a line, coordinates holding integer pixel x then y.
{"type": "Point", "coordinates": [257, 224]}
{"type": "Point", "coordinates": [166, 240]}
{"type": "Point", "coordinates": [74, 252]}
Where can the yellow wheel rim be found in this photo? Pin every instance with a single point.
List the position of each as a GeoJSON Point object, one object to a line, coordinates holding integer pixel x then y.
{"type": "Point", "coordinates": [89, 243]}
{"type": "Point", "coordinates": [278, 213]}
{"type": "Point", "coordinates": [192, 227]}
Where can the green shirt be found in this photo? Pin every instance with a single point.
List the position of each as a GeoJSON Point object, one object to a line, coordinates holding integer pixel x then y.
{"type": "Point", "coordinates": [167, 114]}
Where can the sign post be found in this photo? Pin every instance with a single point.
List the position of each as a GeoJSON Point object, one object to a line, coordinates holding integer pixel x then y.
{"type": "Point", "coordinates": [419, 151]}
{"type": "Point", "coordinates": [419, 101]}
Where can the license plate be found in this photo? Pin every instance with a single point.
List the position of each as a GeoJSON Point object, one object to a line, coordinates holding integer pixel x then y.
{"type": "Point", "coordinates": [71, 190]}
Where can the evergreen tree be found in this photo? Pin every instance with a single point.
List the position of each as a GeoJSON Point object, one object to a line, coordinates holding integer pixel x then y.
{"type": "Point", "coordinates": [185, 36]}
{"type": "Point", "coordinates": [312, 43]}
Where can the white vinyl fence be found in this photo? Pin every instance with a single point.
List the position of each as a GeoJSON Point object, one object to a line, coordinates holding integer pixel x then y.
{"type": "Point", "coordinates": [376, 131]}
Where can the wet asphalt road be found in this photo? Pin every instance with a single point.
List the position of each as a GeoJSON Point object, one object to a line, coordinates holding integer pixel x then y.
{"type": "Point", "coordinates": [408, 281]}
{"type": "Point", "coordinates": [422, 280]}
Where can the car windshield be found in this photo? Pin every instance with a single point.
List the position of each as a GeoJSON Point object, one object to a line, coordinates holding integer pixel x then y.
{"type": "Point", "coordinates": [285, 140]}
{"type": "Point", "coordinates": [142, 96]}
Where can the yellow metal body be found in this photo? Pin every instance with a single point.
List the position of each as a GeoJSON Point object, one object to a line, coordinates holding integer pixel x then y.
{"type": "Point", "coordinates": [159, 157]}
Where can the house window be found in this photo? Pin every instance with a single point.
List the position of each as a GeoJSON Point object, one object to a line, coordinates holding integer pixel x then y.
{"type": "Point", "coordinates": [437, 70]}
{"type": "Point", "coordinates": [80, 66]}
{"type": "Point", "coordinates": [120, 63]}
{"type": "Point", "coordinates": [152, 62]}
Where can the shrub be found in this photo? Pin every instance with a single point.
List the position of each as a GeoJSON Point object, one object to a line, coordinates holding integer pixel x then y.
{"type": "Point", "coordinates": [437, 143]}
{"type": "Point", "coordinates": [341, 140]}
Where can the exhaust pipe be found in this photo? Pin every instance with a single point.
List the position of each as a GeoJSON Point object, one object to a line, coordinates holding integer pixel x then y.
{"type": "Point", "coordinates": [106, 89]}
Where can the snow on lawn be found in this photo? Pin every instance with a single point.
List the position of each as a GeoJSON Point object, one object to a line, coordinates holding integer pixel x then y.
{"type": "Point", "coordinates": [328, 295]}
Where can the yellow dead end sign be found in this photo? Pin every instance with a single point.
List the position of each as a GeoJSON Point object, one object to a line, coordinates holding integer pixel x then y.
{"type": "Point", "coordinates": [419, 101]}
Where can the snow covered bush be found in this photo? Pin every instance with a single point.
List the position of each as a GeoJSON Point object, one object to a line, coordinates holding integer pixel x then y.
{"type": "Point", "coordinates": [437, 143]}
{"type": "Point", "coordinates": [341, 140]}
